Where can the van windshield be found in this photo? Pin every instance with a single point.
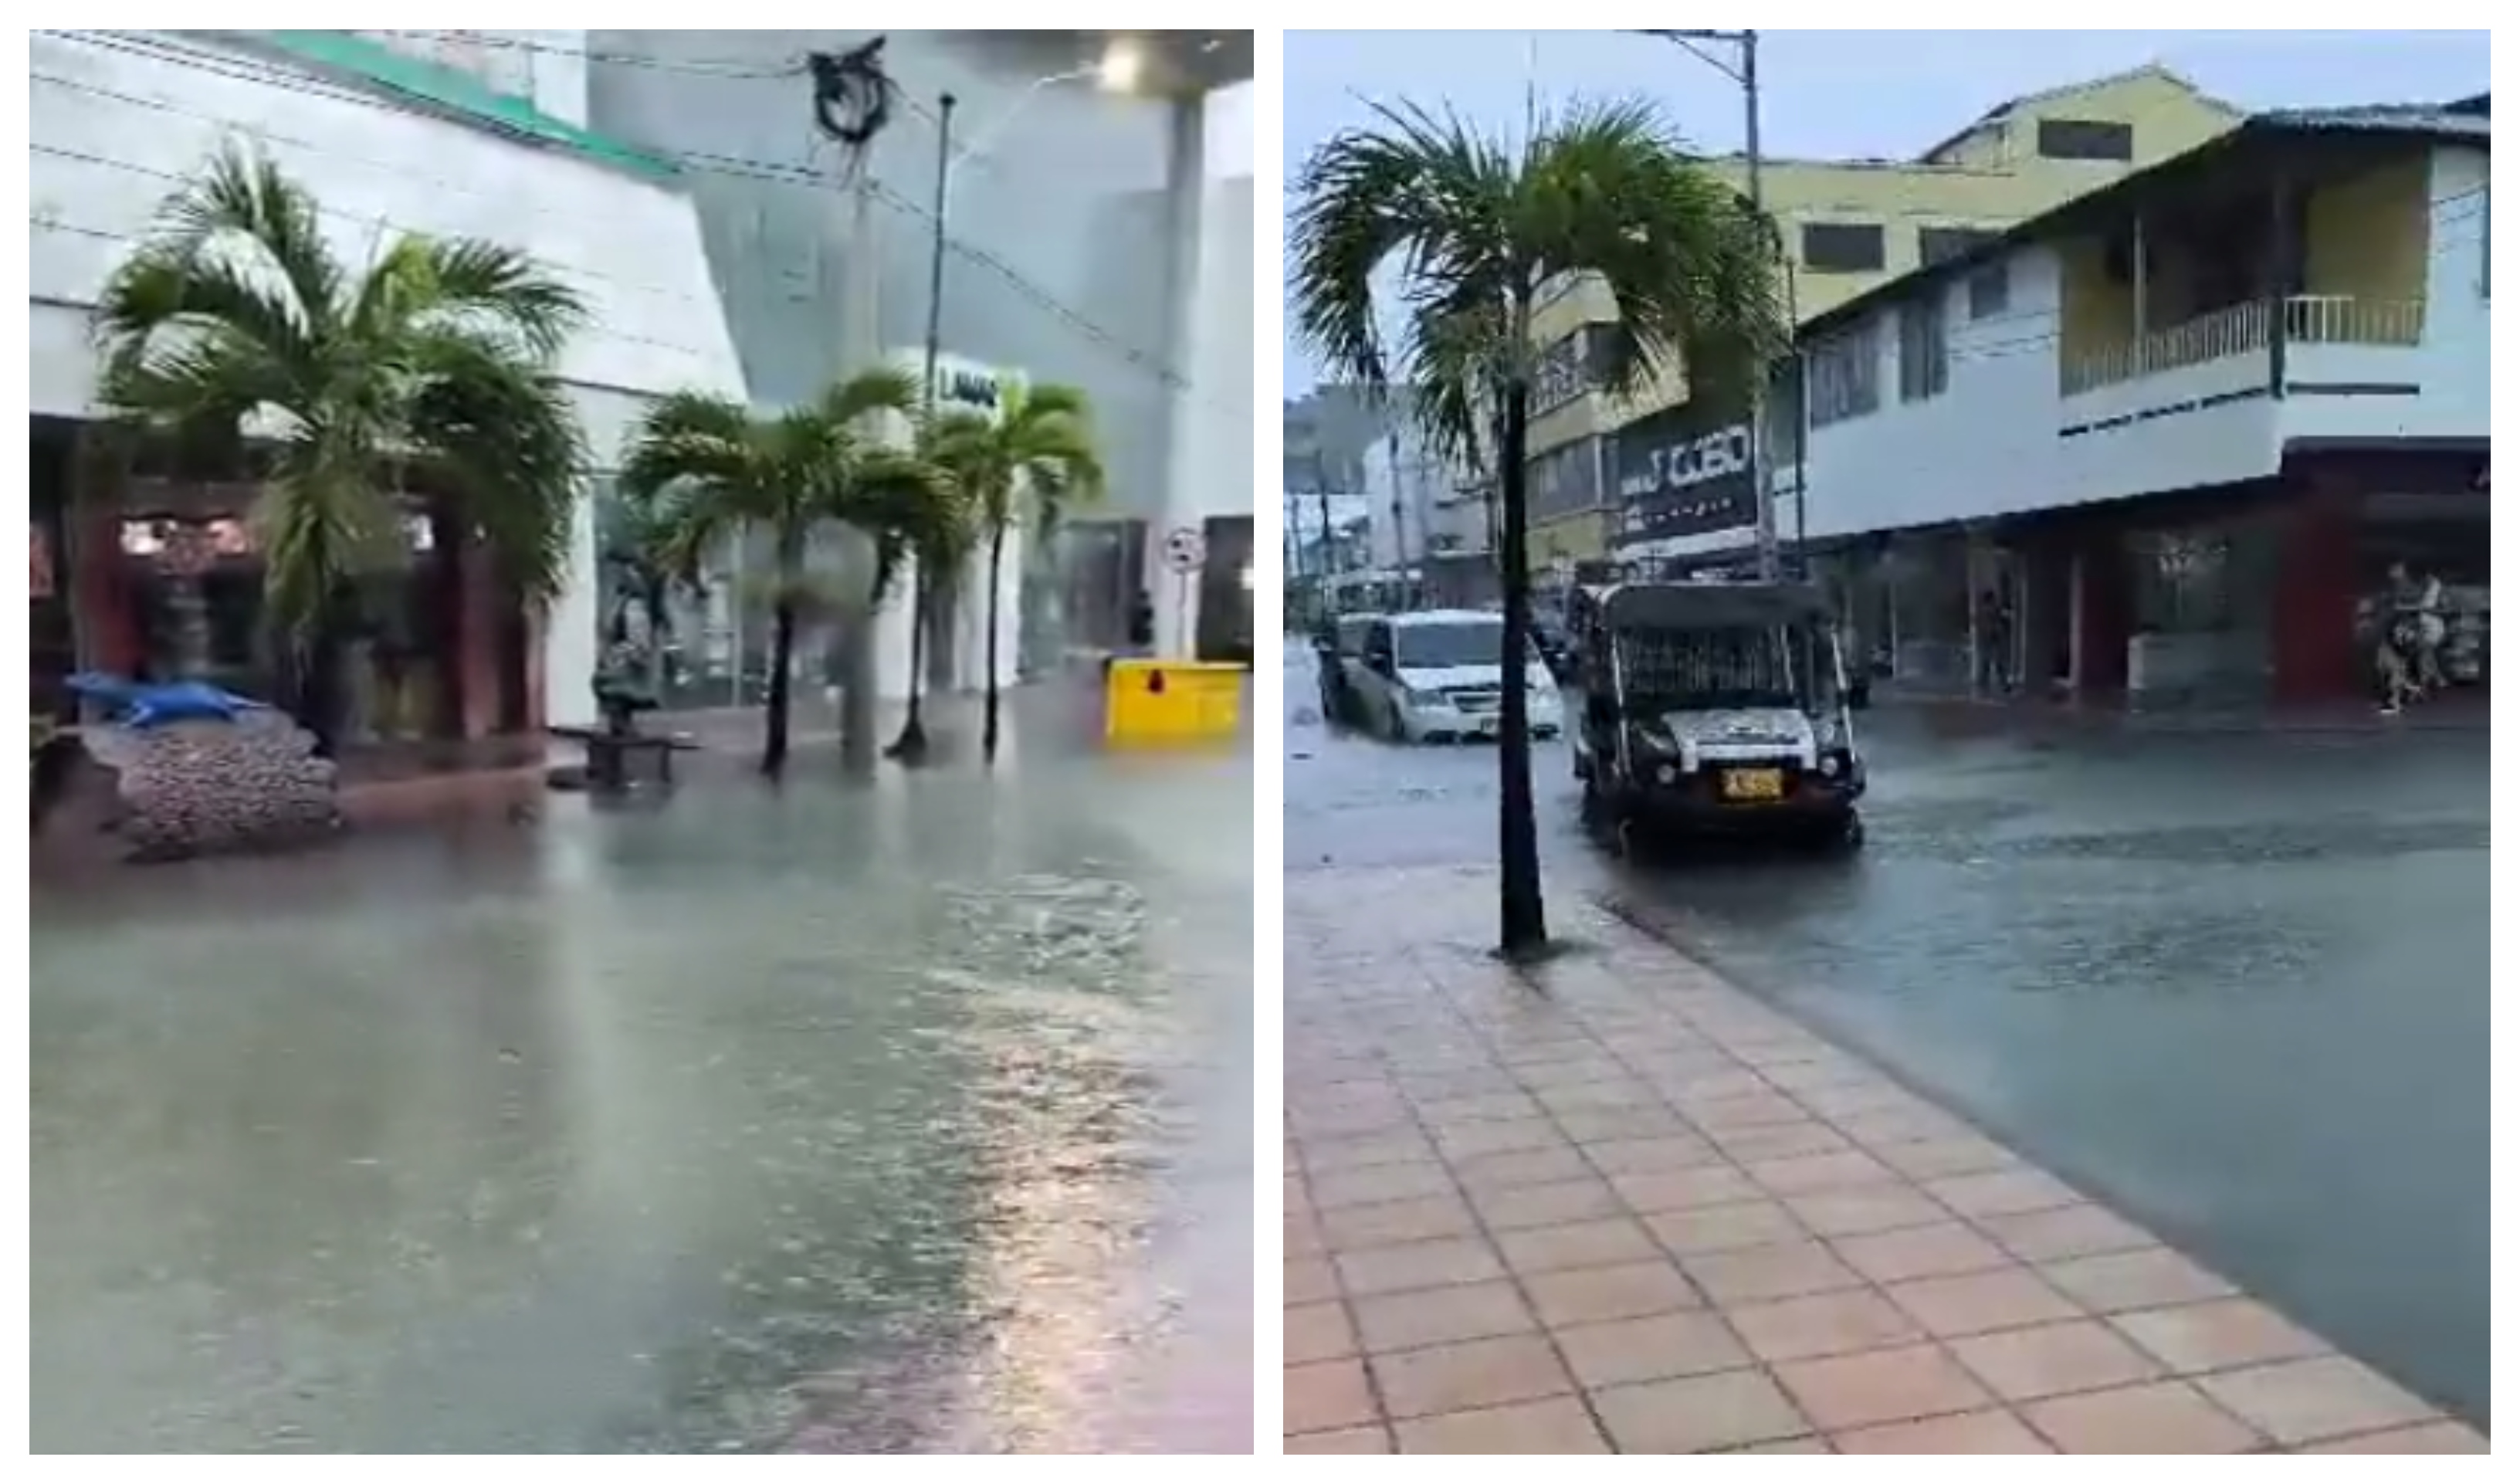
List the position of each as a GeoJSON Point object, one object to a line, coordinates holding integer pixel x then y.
{"type": "Point", "coordinates": [1447, 646]}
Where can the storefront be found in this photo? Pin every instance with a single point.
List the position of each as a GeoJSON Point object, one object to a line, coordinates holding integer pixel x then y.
{"type": "Point", "coordinates": [152, 570]}
{"type": "Point", "coordinates": [2351, 511]}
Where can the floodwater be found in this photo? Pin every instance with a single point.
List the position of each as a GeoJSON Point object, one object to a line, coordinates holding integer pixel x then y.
{"type": "Point", "coordinates": [2236, 984]}
{"type": "Point", "coordinates": [907, 1117]}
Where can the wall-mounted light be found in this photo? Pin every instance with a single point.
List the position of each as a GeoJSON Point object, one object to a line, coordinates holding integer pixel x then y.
{"type": "Point", "coordinates": [1122, 68]}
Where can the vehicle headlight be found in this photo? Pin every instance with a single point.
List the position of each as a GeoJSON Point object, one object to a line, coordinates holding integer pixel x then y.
{"type": "Point", "coordinates": [1829, 767]}
{"type": "Point", "coordinates": [1417, 700]}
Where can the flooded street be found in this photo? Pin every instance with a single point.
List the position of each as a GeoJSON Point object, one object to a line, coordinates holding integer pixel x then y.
{"type": "Point", "coordinates": [913, 1117]}
{"type": "Point", "coordinates": [2235, 984]}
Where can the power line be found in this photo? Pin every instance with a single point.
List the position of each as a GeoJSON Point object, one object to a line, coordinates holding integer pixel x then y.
{"type": "Point", "coordinates": [248, 70]}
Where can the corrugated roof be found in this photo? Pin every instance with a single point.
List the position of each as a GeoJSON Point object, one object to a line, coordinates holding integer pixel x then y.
{"type": "Point", "coordinates": [2446, 120]}
{"type": "Point", "coordinates": [456, 92]}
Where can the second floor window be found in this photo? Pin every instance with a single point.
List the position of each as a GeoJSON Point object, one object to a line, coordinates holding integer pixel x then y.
{"type": "Point", "coordinates": [1843, 247]}
{"type": "Point", "coordinates": [1924, 350]}
{"type": "Point", "coordinates": [1843, 376]}
{"type": "Point", "coordinates": [1939, 244]}
{"type": "Point", "coordinates": [2086, 139]}
{"type": "Point", "coordinates": [1564, 480]}
{"type": "Point", "coordinates": [1564, 371]}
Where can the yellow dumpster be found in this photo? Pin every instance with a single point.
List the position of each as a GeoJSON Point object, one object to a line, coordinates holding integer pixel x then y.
{"type": "Point", "coordinates": [1162, 701]}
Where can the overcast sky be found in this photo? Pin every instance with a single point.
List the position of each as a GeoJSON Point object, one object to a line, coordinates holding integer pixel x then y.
{"type": "Point", "coordinates": [1837, 94]}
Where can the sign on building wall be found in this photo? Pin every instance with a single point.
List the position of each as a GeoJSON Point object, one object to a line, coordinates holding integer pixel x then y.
{"type": "Point", "coordinates": [961, 381]}
{"type": "Point", "coordinates": [1684, 472]}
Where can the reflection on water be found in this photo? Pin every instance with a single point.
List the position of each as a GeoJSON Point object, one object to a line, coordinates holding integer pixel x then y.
{"type": "Point", "coordinates": [838, 1119]}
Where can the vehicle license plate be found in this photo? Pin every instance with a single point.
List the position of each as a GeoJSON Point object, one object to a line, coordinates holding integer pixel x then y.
{"type": "Point", "coordinates": [1752, 784]}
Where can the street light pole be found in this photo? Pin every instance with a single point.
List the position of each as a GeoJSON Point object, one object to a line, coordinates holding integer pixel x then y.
{"type": "Point", "coordinates": [911, 744]}
{"type": "Point", "coordinates": [1746, 74]}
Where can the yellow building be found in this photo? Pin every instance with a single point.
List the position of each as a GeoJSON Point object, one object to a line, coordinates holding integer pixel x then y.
{"type": "Point", "coordinates": [1849, 226]}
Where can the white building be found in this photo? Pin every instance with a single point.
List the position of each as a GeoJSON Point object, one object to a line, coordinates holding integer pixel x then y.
{"type": "Point", "coordinates": [2167, 437]}
{"type": "Point", "coordinates": [388, 146]}
{"type": "Point", "coordinates": [1100, 237]}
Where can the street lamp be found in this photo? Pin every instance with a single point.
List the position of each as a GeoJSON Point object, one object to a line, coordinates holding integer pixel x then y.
{"type": "Point", "coordinates": [1118, 71]}
{"type": "Point", "coordinates": [1744, 72]}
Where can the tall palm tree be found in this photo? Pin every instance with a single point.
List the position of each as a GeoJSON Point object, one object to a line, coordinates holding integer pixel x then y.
{"type": "Point", "coordinates": [707, 469]}
{"type": "Point", "coordinates": [1026, 463]}
{"type": "Point", "coordinates": [943, 557]}
{"type": "Point", "coordinates": [433, 366]}
{"type": "Point", "coordinates": [1478, 226]}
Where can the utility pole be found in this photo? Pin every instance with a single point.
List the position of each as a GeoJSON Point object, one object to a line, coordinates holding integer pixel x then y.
{"type": "Point", "coordinates": [1399, 527]}
{"type": "Point", "coordinates": [852, 104]}
{"type": "Point", "coordinates": [1322, 506]}
{"type": "Point", "coordinates": [1745, 72]}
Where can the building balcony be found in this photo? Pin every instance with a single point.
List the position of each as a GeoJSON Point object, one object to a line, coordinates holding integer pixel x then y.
{"type": "Point", "coordinates": [2240, 336]}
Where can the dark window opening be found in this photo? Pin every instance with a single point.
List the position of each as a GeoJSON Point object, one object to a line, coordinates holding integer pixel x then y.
{"type": "Point", "coordinates": [1925, 351]}
{"type": "Point", "coordinates": [2086, 139]}
{"type": "Point", "coordinates": [1843, 248]}
{"type": "Point", "coordinates": [1940, 244]}
{"type": "Point", "coordinates": [1990, 290]}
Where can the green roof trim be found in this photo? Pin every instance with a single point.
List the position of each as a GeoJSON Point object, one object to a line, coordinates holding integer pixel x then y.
{"type": "Point", "coordinates": [458, 92]}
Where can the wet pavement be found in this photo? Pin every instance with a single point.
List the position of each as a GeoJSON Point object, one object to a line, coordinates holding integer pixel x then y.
{"type": "Point", "coordinates": [2235, 984]}
{"type": "Point", "coordinates": [916, 1118]}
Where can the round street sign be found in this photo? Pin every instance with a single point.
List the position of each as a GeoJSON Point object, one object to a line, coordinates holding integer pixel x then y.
{"type": "Point", "coordinates": [1185, 550]}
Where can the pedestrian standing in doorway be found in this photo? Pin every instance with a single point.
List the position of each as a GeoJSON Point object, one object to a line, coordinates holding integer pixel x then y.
{"type": "Point", "coordinates": [1994, 643]}
{"type": "Point", "coordinates": [2417, 628]}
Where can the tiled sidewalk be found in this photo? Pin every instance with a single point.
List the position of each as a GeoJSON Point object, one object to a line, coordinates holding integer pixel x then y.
{"type": "Point", "coordinates": [1628, 1208]}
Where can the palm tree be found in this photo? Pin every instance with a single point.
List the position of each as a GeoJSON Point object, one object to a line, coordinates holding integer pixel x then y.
{"type": "Point", "coordinates": [1026, 463]}
{"type": "Point", "coordinates": [1478, 226]}
{"type": "Point", "coordinates": [234, 322]}
{"type": "Point", "coordinates": [707, 468]}
{"type": "Point", "coordinates": [943, 556]}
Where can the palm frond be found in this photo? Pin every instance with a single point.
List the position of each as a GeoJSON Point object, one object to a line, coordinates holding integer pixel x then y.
{"type": "Point", "coordinates": [1614, 193]}
{"type": "Point", "coordinates": [507, 436]}
{"type": "Point", "coordinates": [689, 437]}
{"type": "Point", "coordinates": [1424, 189]}
{"type": "Point", "coordinates": [882, 390]}
{"type": "Point", "coordinates": [321, 526]}
{"type": "Point", "coordinates": [243, 198]}
{"type": "Point", "coordinates": [489, 282]}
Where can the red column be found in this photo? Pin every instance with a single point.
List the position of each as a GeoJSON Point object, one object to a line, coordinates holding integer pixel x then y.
{"type": "Point", "coordinates": [2314, 657]}
{"type": "Point", "coordinates": [2107, 600]}
{"type": "Point", "coordinates": [100, 591]}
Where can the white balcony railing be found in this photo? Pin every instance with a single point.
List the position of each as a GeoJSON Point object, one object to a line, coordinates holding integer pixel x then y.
{"type": "Point", "coordinates": [2311, 319]}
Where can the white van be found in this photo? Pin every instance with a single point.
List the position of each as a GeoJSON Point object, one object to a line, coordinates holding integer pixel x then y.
{"type": "Point", "coordinates": [1440, 677]}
